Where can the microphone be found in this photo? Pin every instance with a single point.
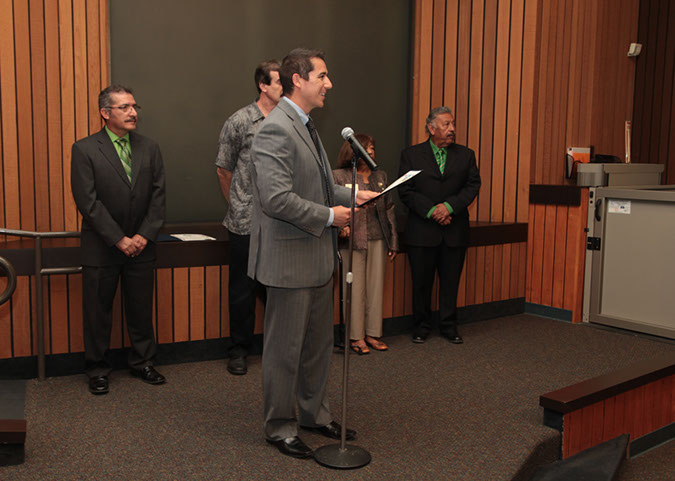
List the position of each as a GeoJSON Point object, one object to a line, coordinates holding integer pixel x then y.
{"type": "Point", "coordinates": [348, 135]}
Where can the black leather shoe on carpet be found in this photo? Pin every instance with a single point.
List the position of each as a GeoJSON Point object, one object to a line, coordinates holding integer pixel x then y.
{"type": "Point", "coordinates": [332, 430]}
{"type": "Point", "coordinates": [98, 385]}
{"type": "Point", "coordinates": [237, 365]}
{"type": "Point", "coordinates": [419, 338]}
{"type": "Point", "coordinates": [293, 447]}
{"type": "Point", "coordinates": [149, 375]}
{"type": "Point", "coordinates": [453, 338]}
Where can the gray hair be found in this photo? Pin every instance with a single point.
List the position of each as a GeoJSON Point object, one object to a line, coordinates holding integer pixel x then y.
{"type": "Point", "coordinates": [105, 97]}
{"type": "Point", "coordinates": [435, 113]}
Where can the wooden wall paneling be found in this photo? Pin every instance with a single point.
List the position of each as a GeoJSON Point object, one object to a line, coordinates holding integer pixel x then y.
{"type": "Point", "coordinates": [530, 253]}
{"type": "Point", "coordinates": [422, 67]}
{"type": "Point", "coordinates": [658, 84]}
{"type": "Point", "coordinates": [484, 202]}
{"type": "Point", "coordinates": [438, 53]}
{"type": "Point", "coordinates": [463, 66]}
{"type": "Point", "coordinates": [450, 61]}
{"type": "Point", "coordinates": [22, 318]}
{"type": "Point", "coordinates": [76, 332]}
{"type": "Point", "coordinates": [6, 85]}
{"type": "Point", "coordinates": [212, 301]}
{"type": "Point", "coordinates": [650, 407]}
{"type": "Point", "coordinates": [574, 76]}
{"type": "Point", "coordinates": [164, 305]}
{"type": "Point", "coordinates": [80, 69]}
{"type": "Point", "coordinates": [197, 308]}
{"type": "Point", "coordinates": [470, 267]}
{"type": "Point", "coordinates": [24, 113]}
{"type": "Point", "coordinates": [548, 255]}
{"type": "Point", "coordinates": [489, 274]}
{"type": "Point", "coordinates": [608, 420]}
{"type": "Point", "coordinates": [401, 283]}
{"type": "Point", "coordinates": [499, 115]}
{"type": "Point", "coordinates": [93, 64]}
{"type": "Point", "coordinates": [566, 436]}
{"type": "Point", "coordinates": [505, 282]}
{"type": "Point", "coordinates": [666, 405]}
{"type": "Point", "coordinates": [104, 35]}
{"type": "Point", "coordinates": [57, 314]}
{"type": "Point", "coordinates": [40, 187]}
{"type": "Point", "coordinates": [224, 302]}
{"type": "Point", "coordinates": [665, 154]}
{"type": "Point", "coordinates": [563, 81]}
{"type": "Point", "coordinates": [475, 91]}
{"type": "Point", "coordinates": [67, 84]}
{"type": "Point", "coordinates": [522, 252]}
{"type": "Point", "coordinates": [559, 261]}
{"type": "Point", "coordinates": [54, 158]}
{"type": "Point", "coordinates": [543, 82]}
{"type": "Point", "coordinates": [516, 181]}
{"type": "Point", "coordinates": [585, 426]}
{"type": "Point", "coordinates": [513, 271]}
{"type": "Point", "coordinates": [496, 277]}
{"type": "Point", "coordinates": [537, 253]}
{"type": "Point", "coordinates": [575, 223]}
{"type": "Point", "coordinates": [480, 275]}
{"type": "Point", "coordinates": [181, 304]}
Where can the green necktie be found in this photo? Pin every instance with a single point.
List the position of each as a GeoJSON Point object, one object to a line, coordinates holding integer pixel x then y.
{"type": "Point", "coordinates": [440, 159]}
{"type": "Point", "coordinates": [125, 156]}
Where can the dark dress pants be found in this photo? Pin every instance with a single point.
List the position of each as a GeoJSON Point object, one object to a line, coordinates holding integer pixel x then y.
{"type": "Point", "coordinates": [424, 262]}
{"type": "Point", "coordinates": [99, 285]}
{"type": "Point", "coordinates": [242, 291]}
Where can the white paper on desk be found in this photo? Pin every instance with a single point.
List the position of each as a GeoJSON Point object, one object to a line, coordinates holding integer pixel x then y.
{"type": "Point", "coordinates": [193, 237]}
{"type": "Point", "coordinates": [404, 178]}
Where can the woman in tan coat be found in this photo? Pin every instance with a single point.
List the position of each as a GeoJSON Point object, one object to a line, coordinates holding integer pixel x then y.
{"type": "Point", "coordinates": [375, 240]}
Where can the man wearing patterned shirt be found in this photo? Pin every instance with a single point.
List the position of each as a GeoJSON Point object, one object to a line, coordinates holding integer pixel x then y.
{"type": "Point", "coordinates": [232, 165]}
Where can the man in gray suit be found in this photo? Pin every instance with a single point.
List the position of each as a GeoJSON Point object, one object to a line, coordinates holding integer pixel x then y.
{"type": "Point", "coordinates": [297, 208]}
{"type": "Point", "coordinates": [117, 179]}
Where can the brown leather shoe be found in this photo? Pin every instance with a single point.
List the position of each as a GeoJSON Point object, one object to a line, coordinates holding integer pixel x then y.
{"type": "Point", "coordinates": [98, 385]}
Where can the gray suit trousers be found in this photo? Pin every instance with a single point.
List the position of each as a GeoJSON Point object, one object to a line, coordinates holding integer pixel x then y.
{"type": "Point", "coordinates": [296, 358]}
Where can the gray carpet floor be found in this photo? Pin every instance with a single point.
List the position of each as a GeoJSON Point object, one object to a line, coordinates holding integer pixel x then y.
{"type": "Point", "coordinates": [431, 411]}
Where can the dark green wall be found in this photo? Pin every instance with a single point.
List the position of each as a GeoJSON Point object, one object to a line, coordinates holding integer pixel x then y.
{"type": "Point", "coordinates": [191, 66]}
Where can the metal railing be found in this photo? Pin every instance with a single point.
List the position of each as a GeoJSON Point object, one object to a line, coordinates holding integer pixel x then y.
{"type": "Point", "coordinates": [39, 272]}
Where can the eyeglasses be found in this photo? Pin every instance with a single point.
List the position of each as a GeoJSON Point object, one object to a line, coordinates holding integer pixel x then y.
{"type": "Point", "coordinates": [125, 107]}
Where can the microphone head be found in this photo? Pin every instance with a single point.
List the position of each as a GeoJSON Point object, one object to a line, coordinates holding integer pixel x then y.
{"type": "Point", "coordinates": [347, 132]}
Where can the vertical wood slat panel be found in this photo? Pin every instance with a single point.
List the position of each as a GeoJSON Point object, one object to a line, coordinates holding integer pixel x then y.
{"type": "Point", "coordinates": [212, 301]}
{"type": "Point", "coordinates": [197, 308]}
{"type": "Point", "coordinates": [40, 187]}
{"type": "Point", "coordinates": [24, 113]}
{"type": "Point", "coordinates": [57, 315]}
{"type": "Point", "coordinates": [181, 304]}
{"type": "Point", "coordinates": [22, 318]}
{"type": "Point", "coordinates": [438, 53]}
{"type": "Point", "coordinates": [559, 261]}
{"type": "Point", "coordinates": [225, 302]}
{"type": "Point", "coordinates": [55, 164]}
{"type": "Point", "coordinates": [164, 306]}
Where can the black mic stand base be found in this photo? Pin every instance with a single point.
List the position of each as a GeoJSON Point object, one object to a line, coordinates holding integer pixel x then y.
{"type": "Point", "coordinates": [349, 457]}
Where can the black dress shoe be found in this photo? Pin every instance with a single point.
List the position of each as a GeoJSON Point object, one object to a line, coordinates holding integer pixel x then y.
{"type": "Point", "coordinates": [419, 338]}
{"type": "Point", "coordinates": [453, 338]}
{"type": "Point", "coordinates": [332, 430]}
{"type": "Point", "coordinates": [237, 365]}
{"type": "Point", "coordinates": [149, 375]}
{"type": "Point", "coordinates": [293, 447]}
{"type": "Point", "coordinates": [98, 385]}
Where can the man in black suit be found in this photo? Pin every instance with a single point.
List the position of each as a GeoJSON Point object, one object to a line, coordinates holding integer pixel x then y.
{"type": "Point", "coordinates": [117, 179]}
{"type": "Point", "coordinates": [437, 231]}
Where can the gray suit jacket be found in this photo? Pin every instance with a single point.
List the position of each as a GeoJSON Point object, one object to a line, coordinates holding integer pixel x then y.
{"type": "Point", "coordinates": [111, 206]}
{"type": "Point", "coordinates": [291, 246]}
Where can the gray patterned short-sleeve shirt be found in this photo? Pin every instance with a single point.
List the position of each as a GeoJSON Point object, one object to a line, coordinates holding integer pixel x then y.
{"type": "Point", "coordinates": [234, 154]}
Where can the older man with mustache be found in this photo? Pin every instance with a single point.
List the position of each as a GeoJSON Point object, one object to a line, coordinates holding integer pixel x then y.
{"type": "Point", "coordinates": [117, 179]}
{"type": "Point", "coordinates": [437, 231]}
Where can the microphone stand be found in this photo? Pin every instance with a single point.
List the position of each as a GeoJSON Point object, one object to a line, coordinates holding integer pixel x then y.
{"type": "Point", "coordinates": [345, 456]}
